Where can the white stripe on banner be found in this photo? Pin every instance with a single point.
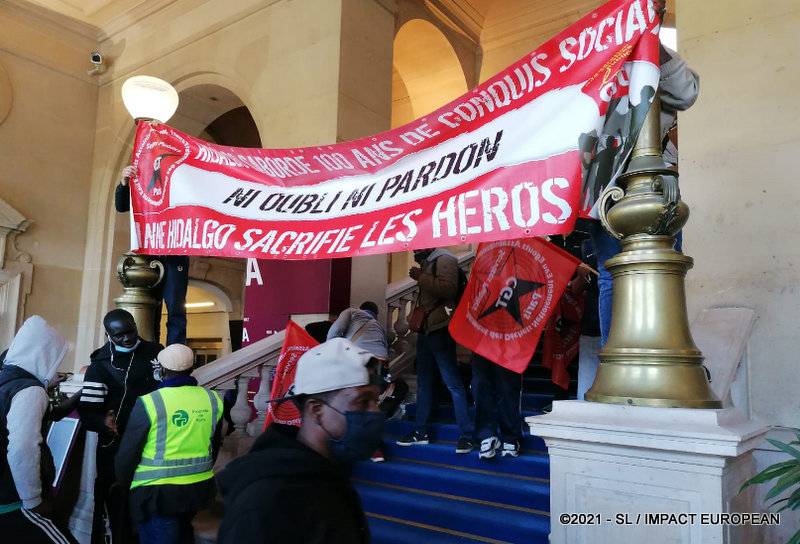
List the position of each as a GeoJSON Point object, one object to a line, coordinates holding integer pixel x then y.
{"type": "Point", "coordinates": [558, 116]}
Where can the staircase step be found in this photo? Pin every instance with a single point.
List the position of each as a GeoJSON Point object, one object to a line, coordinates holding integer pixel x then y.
{"type": "Point", "coordinates": [531, 465]}
{"type": "Point", "coordinates": [448, 432]}
{"type": "Point", "coordinates": [446, 413]}
{"type": "Point", "coordinates": [479, 485]}
{"type": "Point", "coordinates": [474, 518]}
{"type": "Point", "coordinates": [386, 530]}
{"type": "Point", "coordinates": [536, 401]}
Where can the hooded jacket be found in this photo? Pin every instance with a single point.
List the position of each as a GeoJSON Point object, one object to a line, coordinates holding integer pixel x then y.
{"type": "Point", "coordinates": [283, 491]}
{"type": "Point", "coordinates": [113, 381]}
{"type": "Point", "coordinates": [30, 365]}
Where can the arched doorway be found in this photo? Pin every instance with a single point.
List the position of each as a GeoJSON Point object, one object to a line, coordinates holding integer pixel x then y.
{"type": "Point", "coordinates": [421, 84]}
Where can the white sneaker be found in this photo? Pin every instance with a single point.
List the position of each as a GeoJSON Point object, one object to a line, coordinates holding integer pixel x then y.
{"type": "Point", "coordinates": [488, 447]}
{"type": "Point", "coordinates": [510, 449]}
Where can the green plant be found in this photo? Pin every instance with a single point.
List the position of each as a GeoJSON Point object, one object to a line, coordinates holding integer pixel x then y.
{"type": "Point", "coordinates": [787, 474]}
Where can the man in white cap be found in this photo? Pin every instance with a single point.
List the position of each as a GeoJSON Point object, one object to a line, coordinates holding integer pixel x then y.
{"type": "Point", "coordinates": [293, 486]}
{"type": "Point", "coordinates": [168, 451]}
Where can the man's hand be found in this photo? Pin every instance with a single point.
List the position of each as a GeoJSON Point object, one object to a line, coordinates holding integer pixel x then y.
{"type": "Point", "coordinates": [582, 278]}
{"type": "Point", "coordinates": [661, 8]}
{"type": "Point", "coordinates": [127, 173]}
{"type": "Point", "coordinates": [414, 272]}
{"type": "Point", "coordinates": [57, 379]}
{"type": "Point", "coordinates": [111, 424]}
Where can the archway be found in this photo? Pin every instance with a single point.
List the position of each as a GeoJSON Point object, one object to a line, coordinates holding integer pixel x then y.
{"type": "Point", "coordinates": [421, 84]}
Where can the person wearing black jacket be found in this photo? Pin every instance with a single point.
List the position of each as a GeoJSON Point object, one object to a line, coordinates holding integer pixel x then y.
{"type": "Point", "coordinates": [293, 485]}
{"type": "Point", "coordinates": [123, 369]}
{"type": "Point", "coordinates": [26, 465]}
{"type": "Point", "coordinates": [172, 288]}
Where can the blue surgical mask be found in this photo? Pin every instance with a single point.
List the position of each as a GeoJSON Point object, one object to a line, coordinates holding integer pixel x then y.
{"type": "Point", "coordinates": [121, 349]}
{"type": "Point", "coordinates": [362, 437]}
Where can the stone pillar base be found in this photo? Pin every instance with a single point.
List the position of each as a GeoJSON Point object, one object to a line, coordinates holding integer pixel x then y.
{"type": "Point", "coordinates": [618, 465]}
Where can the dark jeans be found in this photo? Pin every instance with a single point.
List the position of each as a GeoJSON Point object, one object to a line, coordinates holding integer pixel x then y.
{"type": "Point", "coordinates": [167, 529]}
{"type": "Point", "coordinates": [172, 290]}
{"type": "Point", "coordinates": [112, 500]}
{"type": "Point", "coordinates": [438, 350]}
{"type": "Point", "coordinates": [605, 247]}
{"type": "Point", "coordinates": [498, 400]}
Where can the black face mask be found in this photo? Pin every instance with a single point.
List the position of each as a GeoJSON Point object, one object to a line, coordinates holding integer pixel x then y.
{"type": "Point", "coordinates": [362, 437]}
{"type": "Point", "coordinates": [420, 256]}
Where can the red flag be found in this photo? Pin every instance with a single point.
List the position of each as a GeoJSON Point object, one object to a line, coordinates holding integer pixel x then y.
{"type": "Point", "coordinates": [296, 342]}
{"type": "Point", "coordinates": [562, 337]}
{"type": "Point", "coordinates": [512, 290]}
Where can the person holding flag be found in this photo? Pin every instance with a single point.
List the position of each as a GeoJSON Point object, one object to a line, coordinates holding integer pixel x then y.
{"type": "Point", "coordinates": [679, 86]}
{"type": "Point", "coordinates": [498, 397]}
{"type": "Point", "coordinates": [514, 287]}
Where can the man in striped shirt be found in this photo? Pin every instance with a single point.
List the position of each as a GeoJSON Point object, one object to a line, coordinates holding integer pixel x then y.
{"type": "Point", "coordinates": [120, 372]}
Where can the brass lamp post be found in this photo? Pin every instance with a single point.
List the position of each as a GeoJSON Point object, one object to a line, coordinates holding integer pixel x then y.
{"type": "Point", "coordinates": [650, 358]}
{"type": "Point", "coordinates": [138, 274]}
{"type": "Point", "coordinates": [147, 99]}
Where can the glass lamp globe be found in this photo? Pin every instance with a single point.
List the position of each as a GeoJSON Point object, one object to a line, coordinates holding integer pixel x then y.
{"type": "Point", "coordinates": [147, 97]}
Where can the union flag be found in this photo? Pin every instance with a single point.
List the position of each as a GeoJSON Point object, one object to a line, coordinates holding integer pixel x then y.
{"type": "Point", "coordinates": [514, 287]}
{"type": "Point", "coordinates": [296, 342]}
{"type": "Point", "coordinates": [562, 337]}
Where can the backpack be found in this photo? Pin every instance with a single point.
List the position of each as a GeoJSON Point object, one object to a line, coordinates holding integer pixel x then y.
{"type": "Point", "coordinates": [461, 283]}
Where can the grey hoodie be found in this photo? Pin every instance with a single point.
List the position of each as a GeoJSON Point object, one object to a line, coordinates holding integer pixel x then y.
{"type": "Point", "coordinates": [38, 349]}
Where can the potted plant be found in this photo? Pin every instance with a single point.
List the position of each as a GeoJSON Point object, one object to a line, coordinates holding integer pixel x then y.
{"type": "Point", "coordinates": [787, 476]}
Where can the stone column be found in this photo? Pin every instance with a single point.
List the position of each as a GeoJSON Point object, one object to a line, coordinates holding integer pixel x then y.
{"type": "Point", "coordinates": [619, 473]}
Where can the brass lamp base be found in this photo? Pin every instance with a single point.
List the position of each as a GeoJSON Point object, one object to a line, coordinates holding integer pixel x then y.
{"type": "Point", "coordinates": [138, 274]}
{"type": "Point", "coordinates": [646, 384]}
{"type": "Point", "coordinates": [650, 358]}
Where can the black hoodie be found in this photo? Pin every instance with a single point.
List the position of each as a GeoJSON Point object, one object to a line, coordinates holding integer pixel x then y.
{"type": "Point", "coordinates": [283, 491]}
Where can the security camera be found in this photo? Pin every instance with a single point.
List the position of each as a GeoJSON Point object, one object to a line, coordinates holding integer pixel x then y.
{"type": "Point", "coordinates": [99, 65]}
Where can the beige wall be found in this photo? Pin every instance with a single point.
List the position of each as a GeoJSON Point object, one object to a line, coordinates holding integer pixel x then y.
{"type": "Point", "coordinates": [46, 154]}
{"type": "Point", "coordinates": [282, 59]}
{"type": "Point", "coordinates": [738, 159]}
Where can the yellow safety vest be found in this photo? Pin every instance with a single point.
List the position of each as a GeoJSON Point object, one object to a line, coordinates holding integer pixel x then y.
{"type": "Point", "coordinates": [178, 448]}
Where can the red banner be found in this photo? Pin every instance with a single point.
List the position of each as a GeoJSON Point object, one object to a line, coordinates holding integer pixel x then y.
{"type": "Point", "coordinates": [295, 344]}
{"type": "Point", "coordinates": [562, 337]}
{"type": "Point", "coordinates": [500, 162]}
{"type": "Point", "coordinates": [514, 286]}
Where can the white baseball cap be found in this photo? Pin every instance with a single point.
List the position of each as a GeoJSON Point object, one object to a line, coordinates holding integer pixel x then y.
{"type": "Point", "coordinates": [176, 357]}
{"type": "Point", "coordinates": [335, 364]}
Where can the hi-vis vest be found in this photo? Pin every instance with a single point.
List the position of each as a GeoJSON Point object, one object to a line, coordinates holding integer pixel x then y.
{"type": "Point", "coordinates": [178, 448]}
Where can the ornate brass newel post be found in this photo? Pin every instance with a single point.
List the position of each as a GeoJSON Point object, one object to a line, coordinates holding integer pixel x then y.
{"type": "Point", "coordinates": [138, 274]}
{"type": "Point", "coordinates": [650, 358]}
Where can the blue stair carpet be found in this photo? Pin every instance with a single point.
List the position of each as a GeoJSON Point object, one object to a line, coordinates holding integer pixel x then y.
{"type": "Point", "coordinates": [430, 494]}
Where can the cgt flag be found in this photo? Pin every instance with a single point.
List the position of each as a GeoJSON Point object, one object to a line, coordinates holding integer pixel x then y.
{"type": "Point", "coordinates": [514, 286]}
{"type": "Point", "coordinates": [509, 159]}
{"type": "Point", "coordinates": [561, 338]}
{"type": "Point", "coordinates": [296, 342]}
